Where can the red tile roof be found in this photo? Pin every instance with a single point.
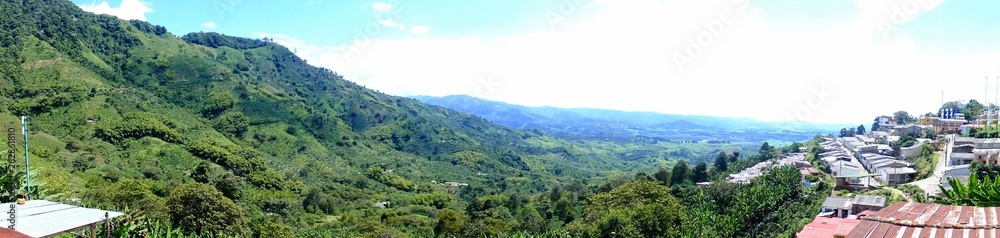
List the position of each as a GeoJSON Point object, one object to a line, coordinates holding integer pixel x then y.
{"type": "Point", "coordinates": [904, 219]}
{"type": "Point", "coordinates": [4, 232]}
{"type": "Point", "coordinates": [826, 227]}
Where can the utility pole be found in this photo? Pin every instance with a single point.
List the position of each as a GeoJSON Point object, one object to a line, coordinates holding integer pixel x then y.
{"type": "Point", "coordinates": [27, 172]}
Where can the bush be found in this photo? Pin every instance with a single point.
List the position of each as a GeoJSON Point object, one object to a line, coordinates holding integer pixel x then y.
{"type": "Point", "coordinates": [199, 208]}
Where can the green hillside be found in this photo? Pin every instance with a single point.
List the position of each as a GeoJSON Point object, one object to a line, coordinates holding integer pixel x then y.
{"type": "Point", "coordinates": [217, 135]}
{"type": "Point", "coordinates": [125, 114]}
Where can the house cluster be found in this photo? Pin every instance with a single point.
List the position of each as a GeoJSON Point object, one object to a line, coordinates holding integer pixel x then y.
{"type": "Point", "coordinates": [846, 169]}
{"type": "Point", "coordinates": [893, 171]}
{"type": "Point", "coordinates": [791, 159]}
{"type": "Point", "coordinates": [965, 150]}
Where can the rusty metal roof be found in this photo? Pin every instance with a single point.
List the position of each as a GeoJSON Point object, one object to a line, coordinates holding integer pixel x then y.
{"type": "Point", "coordinates": [908, 219]}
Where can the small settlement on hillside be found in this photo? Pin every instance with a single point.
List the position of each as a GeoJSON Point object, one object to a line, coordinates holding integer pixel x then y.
{"type": "Point", "coordinates": [866, 161]}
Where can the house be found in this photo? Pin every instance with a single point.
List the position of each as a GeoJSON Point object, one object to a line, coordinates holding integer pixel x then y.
{"type": "Point", "coordinates": [885, 149]}
{"type": "Point", "coordinates": [927, 121]}
{"type": "Point", "coordinates": [867, 140]}
{"type": "Point", "coordinates": [911, 151]}
{"type": "Point", "coordinates": [381, 204]}
{"type": "Point", "coordinates": [885, 123]}
{"type": "Point", "coordinates": [963, 151]}
{"type": "Point", "coordinates": [863, 203]}
{"type": "Point", "coordinates": [897, 175]}
{"type": "Point", "coordinates": [455, 184]}
{"type": "Point", "coordinates": [909, 129]}
{"type": "Point", "coordinates": [908, 219]}
{"type": "Point", "coordinates": [969, 128]}
{"type": "Point", "coordinates": [827, 227]}
{"type": "Point", "coordinates": [843, 168]}
{"type": "Point", "coordinates": [867, 149]}
{"type": "Point", "coordinates": [987, 149]}
{"type": "Point", "coordinates": [839, 206]}
{"type": "Point", "coordinates": [845, 207]}
{"type": "Point", "coordinates": [948, 125]}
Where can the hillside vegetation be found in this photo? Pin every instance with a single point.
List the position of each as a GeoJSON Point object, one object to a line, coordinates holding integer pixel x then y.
{"type": "Point", "coordinates": [219, 135]}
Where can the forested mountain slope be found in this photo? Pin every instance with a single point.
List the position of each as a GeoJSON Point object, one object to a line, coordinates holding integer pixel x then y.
{"type": "Point", "coordinates": [213, 134]}
{"type": "Point", "coordinates": [123, 112]}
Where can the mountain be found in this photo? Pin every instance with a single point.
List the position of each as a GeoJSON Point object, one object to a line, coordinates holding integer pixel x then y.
{"type": "Point", "coordinates": [126, 114]}
{"type": "Point", "coordinates": [608, 124]}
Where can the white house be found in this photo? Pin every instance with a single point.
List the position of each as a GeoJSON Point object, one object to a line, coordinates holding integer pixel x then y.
{"type": "Point", "coordinates": [885, 123]}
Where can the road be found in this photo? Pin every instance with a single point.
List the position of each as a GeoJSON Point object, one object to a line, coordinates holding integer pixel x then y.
{"type": "Point", "coordinates": [930, 184]}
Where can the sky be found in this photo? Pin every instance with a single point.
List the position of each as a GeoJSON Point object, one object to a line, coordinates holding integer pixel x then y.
{"type": "Point", "coordinates": [844, 61]}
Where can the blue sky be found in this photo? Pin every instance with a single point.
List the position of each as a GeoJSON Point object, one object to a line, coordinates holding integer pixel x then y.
{"type": "Point", "coordinates": [819, 61]}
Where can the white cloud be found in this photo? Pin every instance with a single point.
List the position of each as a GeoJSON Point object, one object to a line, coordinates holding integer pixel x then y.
{"type": "Point", "coordinates": [388, 23]}
{"type": "Point", "coordinates": [381, 7]}
{"type": "Point", "coordinates": [128, 10]}
{"type": "Point", "coordinates": [209, 25]}
{"type": "Point", "coordinates": [622, 58]}
{"type": "Point", "coordinates": [420, 29]}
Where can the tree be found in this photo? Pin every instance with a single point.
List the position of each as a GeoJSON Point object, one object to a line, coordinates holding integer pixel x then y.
{"type": "Point", "coordinates": [980, 192]}
{"type": "Point", "coordinates": [766, 151]}
{"type": "Point", "coordinates": [902, 117]}
{"type": "Point", "coordinates": [556, 193]}
{"type": "Point", "coordinates": [635, 209]}
{"type": "Point", "coordinates": [955, 105]}
{"type": "Point", "coordinates": [843, 132]}
{"type": "Point", "coordinates": [930, 133]}
{"type": "Point", "coordinates": [232, 123]}
{"type": "Point", "coordinates": [680, 173]}
{"type": "Point", "coordinates": [217, 103]}
{"type": "Point", "coordinates": [663, 176]}
{"type": "Point", "coordinates": [564, 209]}
{"type": "Point", "coordinates": [274, 229]}
{"type": "Point", "coordinates": [735, 157]}
{"type": "Point", "coordinates": [448, 223]}
{"type": "Point", "coordinates": [199, 208]}
{"type": "Point", "coordinates": [202, 172]}
{"type": "Point", "coordinates": [529, 220]}
{"type": "Point", "coordinates": [230, 185]}
{"type": "Point", "coordinates": [722, 162]}
{"type": "Point", "coordinates": [861, 129]}
{"type": "Point", "coordinates": [972, 110]}
{"type": "Point", "coordinates": [700, 173]}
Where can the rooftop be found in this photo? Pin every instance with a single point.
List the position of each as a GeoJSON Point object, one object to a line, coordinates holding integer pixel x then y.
{"type": "Point", "coordinates": [870, 200]}
{"type": "Point", "coordinates": [908, 219]}
{"type": "Point", "coordinates": [834, 202]}
{"type": "Point", "coordinates": [827, 227]}
{"type": "Point", "coordinates": [903, 170]}
{"type": "Point", "coordinates": [40, 218]}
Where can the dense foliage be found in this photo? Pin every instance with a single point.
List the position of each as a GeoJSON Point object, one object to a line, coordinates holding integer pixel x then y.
{"type": "Point", "coordinates": [980, 192]}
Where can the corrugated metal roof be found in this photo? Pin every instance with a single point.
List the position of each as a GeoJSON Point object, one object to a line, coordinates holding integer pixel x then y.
{"type": "Point", "coordinates": [837, 203]}
{"type": "Point", "coordinates": [870, 200]}
{"type": "Point", "coordinates": [40, 218]}
{"type": "Point", "coordinates": [907, 219]}
{"type": "Point", "coordinates": [823, 227]}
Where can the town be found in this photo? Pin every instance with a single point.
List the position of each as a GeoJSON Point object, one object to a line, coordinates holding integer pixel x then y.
{"type": "Point", "coordinates": [869, 167]}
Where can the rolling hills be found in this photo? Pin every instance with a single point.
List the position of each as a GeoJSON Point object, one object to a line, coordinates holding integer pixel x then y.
{"type": "Point", "coordinates": [613, 125]}
{"type": "Point", "coordinates": [126, 115]}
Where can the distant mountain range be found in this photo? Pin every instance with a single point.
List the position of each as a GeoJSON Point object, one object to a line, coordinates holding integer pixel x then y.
{"type": "Point", "coordinates": [604, 123]}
